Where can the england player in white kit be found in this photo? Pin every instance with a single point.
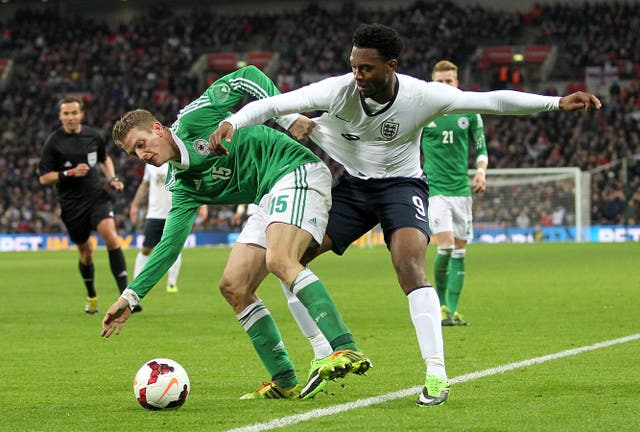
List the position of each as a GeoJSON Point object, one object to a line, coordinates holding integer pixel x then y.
{"type": "Point", "coordinates": [159, 204]}
{"type": "Point", "coordinates": [372, 125]}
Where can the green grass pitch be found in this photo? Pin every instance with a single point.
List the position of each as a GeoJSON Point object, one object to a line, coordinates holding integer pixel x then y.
{"type": "Point", "coordinates": [523, 301]}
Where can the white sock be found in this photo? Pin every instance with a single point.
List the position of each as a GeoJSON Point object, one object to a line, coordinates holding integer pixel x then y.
{"type": "Point", "coordinates": [424, 308]}
{"type": "Point", "coordinates": [141, 260]}
{"type": "Point", "coordinates": [174, 271]}
{"type": "Point", "coordinates": [319, 343]}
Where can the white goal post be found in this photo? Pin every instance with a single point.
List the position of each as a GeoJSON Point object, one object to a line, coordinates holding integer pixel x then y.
{"type": "Point", "coordinates": [530, 204]}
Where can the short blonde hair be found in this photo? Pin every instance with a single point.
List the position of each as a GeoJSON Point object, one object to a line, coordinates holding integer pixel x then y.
{"type": "Point", "coordinates": [138, 118]}
{"type": "Point", "coordinates": [444, 66]}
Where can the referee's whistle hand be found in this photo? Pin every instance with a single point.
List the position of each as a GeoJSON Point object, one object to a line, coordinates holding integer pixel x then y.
{"type": "Point", "coordinates": [81, 170]}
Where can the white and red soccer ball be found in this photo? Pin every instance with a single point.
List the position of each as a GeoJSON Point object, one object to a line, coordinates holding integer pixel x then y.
{"type": "Point", "coordinates": [161, 383]}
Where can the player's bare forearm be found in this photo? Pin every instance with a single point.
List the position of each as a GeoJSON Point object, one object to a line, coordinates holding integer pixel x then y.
{"type": "Point", "coordinates": [141, 194]}
{"type": "Point", "coordinates": [108, 168]}
{"type": "Point", "coordinates": [203, 213]}
{"type": "Point", "coordinates": [579, 100]}
{"type": "Point", "coordinates": [49, 178]}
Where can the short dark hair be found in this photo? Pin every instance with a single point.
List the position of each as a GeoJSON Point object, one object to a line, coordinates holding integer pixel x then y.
{"type": "Point", "coordinates": [377, 36]}
{"type": "Point", "coordinates": [71, 99]}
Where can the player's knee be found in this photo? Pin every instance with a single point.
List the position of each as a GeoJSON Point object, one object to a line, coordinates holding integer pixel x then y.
{"type": "Point", "coordinates": [410, 274]}
{"type": "Point", "coordinates": [112, 244]}
{"type": "Point", "coordinates": [231, 291]}
{"type": "Point", "coordinates": [458, 253]}
{"type": "Point", "coordinates": [86, 254]}
{"type": "Point", "coordinates": [280, 265]}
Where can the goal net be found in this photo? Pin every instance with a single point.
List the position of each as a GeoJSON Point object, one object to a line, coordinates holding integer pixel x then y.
{"type": "Point", "coordinates": [532, 204]}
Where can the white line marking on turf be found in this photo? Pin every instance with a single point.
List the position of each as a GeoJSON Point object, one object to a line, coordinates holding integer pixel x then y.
{"type": "Point", "coordinates": [361, 403]}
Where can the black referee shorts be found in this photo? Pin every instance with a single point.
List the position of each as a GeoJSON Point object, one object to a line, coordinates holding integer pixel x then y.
{"type": "Point", "coordinates": [81, 221]}
{"type": "Point", "coordinates": [359, 205]}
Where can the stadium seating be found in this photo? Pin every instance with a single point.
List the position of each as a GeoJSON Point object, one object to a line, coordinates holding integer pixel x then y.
{"type": "Point", "coordinates": [146, 62]}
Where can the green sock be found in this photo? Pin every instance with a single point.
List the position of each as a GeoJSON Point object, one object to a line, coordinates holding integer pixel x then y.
{"type": "Point", "coordinates": [456, 280]}
{"type": "Point", "coordinates": [440, 273]}
{"type": "Point", "coordinates": [315, 297]}
{"type": "Point", "coordinates": [267, 341]}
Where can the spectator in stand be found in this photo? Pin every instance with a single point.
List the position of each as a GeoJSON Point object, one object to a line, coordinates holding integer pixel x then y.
{"type": "Point", "coordinates": [523, 220]}
{"type": "Point", "coordinates": [163, 40]}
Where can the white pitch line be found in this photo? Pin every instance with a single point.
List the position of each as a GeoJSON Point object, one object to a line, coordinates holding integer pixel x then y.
{"type": "Point", "coordinates": [361, 403]}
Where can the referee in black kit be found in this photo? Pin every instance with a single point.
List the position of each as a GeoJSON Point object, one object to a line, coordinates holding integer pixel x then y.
{"type": "Point", "coordinates": [68, 160]}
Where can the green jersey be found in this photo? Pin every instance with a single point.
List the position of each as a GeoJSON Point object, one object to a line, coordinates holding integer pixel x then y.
{"type": "Point", "coordinates": [445, 147]}
{"type": "Point", "coordinates": [258, 157]}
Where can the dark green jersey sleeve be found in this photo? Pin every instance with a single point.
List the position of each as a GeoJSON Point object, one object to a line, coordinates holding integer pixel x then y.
{"type": "Point", "coordinates": [221, 97]}
{"type": "Point", "coordinates": [176, 230]}
{"type": "Point", "coordinates": [478, 139]}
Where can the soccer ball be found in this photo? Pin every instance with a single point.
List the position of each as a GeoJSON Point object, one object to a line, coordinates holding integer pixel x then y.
{"type": "Point", "coordinates": [161, 384]}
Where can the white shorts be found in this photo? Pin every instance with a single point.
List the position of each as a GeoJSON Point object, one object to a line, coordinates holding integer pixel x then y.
{"type": "Point", "coordinates": [451, 214]}
{"type": "Point", "coordinates": [301, 198]}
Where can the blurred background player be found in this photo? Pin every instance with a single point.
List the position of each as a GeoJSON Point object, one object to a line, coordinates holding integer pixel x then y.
{"type": "Point", "coordinates": [445, 148]}
{"type": "Point", "coordinates": [68, 160]}
{"type": "Point", "coordinates": [243, 212]}
{"type": "Point", "coordinates": [158, 206]}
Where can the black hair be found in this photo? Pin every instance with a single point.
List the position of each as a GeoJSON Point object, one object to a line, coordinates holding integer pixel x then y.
{"type": "Point", "coordinates": [71, 99]}
{"type": "Point", "coordinates": [377, 36]}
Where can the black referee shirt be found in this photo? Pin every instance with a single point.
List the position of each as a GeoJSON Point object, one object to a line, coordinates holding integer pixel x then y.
{"type": "Point", "coordinates": [63, 151]}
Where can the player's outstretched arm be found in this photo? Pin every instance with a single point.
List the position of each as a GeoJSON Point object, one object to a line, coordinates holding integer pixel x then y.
{"type": "Point", "coordinates": [579, 100]}
{"type": "Point", "coordinates": [115, 317]}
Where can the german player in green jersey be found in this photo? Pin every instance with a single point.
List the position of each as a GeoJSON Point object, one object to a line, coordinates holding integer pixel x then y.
{"type": "Point", "coordinates": [264, 166]}
{"type": "Point", "coordinates": [445, 148]}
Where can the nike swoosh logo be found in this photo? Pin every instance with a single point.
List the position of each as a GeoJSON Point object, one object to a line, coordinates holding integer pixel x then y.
{"type": "Point", "coordinates": [173, 381]}
{"type": "Point", "coordinates": [421, 218]}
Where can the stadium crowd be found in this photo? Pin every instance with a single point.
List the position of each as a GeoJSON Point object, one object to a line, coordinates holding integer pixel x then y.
{"type": "Point", "coordinates": [582, 43]}
{"type": "Point", "coordinates": [147, 62]}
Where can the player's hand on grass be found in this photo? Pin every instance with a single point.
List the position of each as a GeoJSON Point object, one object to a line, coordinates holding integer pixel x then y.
{"type": "Point", "coordinates": [579, 100]}
{"type": "Point", "coordinates": [301, 128]}
{"type": "Point", "coordinates": [115, 317]}
{"type": "Point", "coordinates": [224, 132]}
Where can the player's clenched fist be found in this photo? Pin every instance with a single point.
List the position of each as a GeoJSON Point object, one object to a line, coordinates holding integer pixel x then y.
{"type": "Point", "coordinates": [225, 131]}
{"type": "Point", "coordinates": [579, 100]}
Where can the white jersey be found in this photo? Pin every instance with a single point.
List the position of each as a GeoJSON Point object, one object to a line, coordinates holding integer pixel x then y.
{"type": "Point", "coordinates": [383, 142]}
{"type": "Point", "coordinates": [159, 196]}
